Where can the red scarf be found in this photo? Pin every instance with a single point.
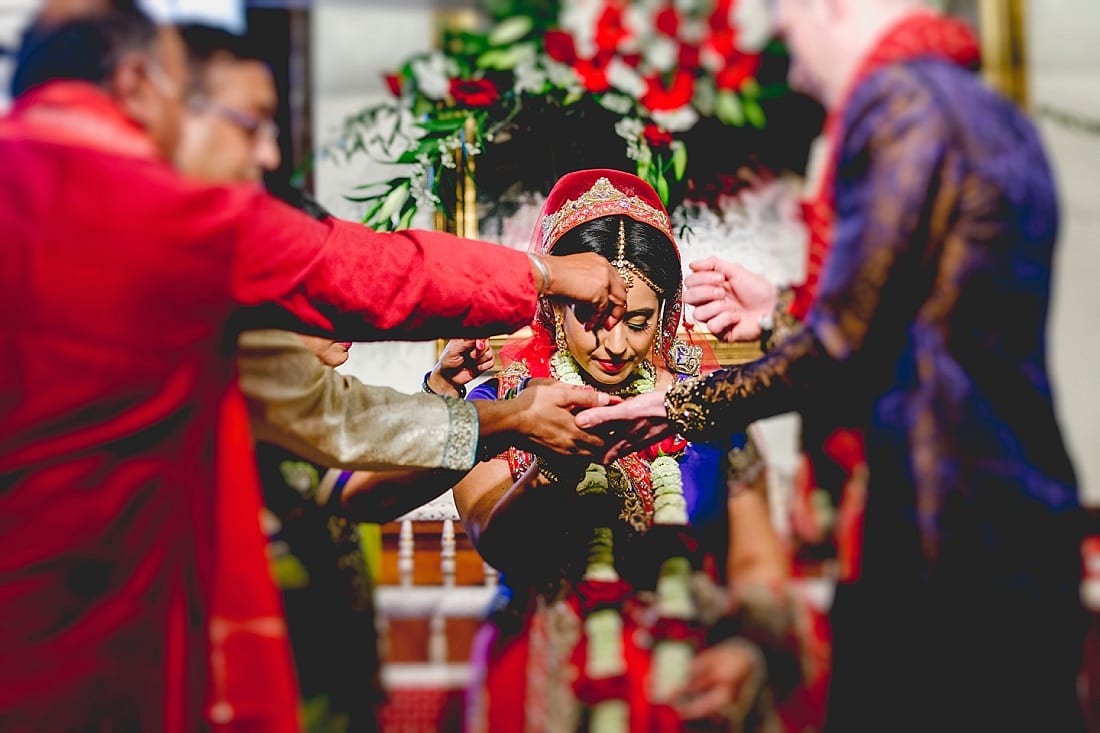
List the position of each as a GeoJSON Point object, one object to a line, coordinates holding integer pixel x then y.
{"type": "Point", "coordinates": [920, 35]}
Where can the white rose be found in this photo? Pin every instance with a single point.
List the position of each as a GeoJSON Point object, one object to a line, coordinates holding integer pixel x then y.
{"type": "Point", "coordinates": [692, 30]}
{"type": "Point", "coordinates": [677, 120]}
{"type": "Point", "coordinates": [579, 18]}
{"type": "Point", "coordinates": [620, 104]}
{"type": "Point", "coordinates": [662, 53]}
{"type": "Point", "coordinates": [711, 60]}
{"type": "Point", "coordinates": [639, 23]}
{"type": "Point", "coordinates": [433, 75]}
{"type": "Point", "coordinates": [753, 23]}
{"type": "Point", "coordinates": [625, 79]}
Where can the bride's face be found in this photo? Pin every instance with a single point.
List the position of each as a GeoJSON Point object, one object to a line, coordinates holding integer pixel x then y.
{"type": "Point", "coordinates": [608, 356]}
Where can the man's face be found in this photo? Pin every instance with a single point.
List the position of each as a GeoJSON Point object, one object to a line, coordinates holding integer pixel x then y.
{"type": "Point", "coordinates": [228, 131]}
{"type": "Point", "coordinates": [804, 25]}
{"type": "Point", "coordinates": [150, 88]}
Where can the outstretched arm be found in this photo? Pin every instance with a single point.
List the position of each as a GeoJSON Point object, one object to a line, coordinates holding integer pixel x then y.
{"type": "Point", "coordinates": [340, 278]}
{"type": "Point", "coordinates": [894, 211]}
{"type": "Point", "coordinates": [540, 417]}
{"type": "Point", "coordinates": [335, 420]}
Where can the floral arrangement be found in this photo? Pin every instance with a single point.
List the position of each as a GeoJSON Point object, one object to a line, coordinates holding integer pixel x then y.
{"type": "Point", "coordinates": [649, 71]}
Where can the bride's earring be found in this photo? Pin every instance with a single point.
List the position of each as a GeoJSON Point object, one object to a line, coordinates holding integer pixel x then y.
{"type": "Point", "coordinates": [559, 332]}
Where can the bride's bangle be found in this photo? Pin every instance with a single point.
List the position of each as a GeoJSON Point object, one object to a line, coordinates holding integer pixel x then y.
{"type": "Point", "coordinates": [544, 468]}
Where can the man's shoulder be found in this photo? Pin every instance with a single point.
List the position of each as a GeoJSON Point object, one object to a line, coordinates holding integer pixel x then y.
{"type": "Point", "coordinates": [934, 88]}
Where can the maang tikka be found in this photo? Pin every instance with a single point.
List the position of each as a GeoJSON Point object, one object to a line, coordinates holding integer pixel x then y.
{"type": "Point", "coordinates": [627, 270]}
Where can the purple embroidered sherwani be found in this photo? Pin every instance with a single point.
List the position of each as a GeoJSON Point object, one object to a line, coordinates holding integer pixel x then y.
{"type": "Point", "coordinates": [930, 331]}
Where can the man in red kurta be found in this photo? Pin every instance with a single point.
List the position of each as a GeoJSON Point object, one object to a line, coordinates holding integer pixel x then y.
{"type": "Point", "coordinates": [116, 283]}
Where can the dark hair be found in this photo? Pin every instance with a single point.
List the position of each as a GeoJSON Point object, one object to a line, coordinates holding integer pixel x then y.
{"type": "Point", "coordinates": [647, 248]}
{"type": "Point", "coordinates": [206, 44]}
{"type": "Point", "coordinates": [86, 49]}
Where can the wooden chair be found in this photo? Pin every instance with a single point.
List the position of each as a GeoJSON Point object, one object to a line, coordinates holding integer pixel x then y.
{"type": "Point", "coordinates": [433, 592]}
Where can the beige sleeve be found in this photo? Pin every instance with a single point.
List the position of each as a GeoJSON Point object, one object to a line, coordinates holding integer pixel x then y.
{"type": "Point", "coordinates": [335, 420]}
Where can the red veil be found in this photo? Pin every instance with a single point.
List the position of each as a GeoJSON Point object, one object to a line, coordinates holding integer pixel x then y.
{"type": "Point", "coordinates": [578, 198]}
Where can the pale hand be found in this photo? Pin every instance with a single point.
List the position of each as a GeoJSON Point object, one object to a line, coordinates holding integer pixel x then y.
{"type": "Point", "coordinates": [629, 425]}
{"type": "Point", "coordinates": [547, 420]}
{"type": "Point", "coordinates": [719, 679]}
{"type": "Point", "coordinates": [729, 300]}
{"type": "Point", "coordinates": [461, 362]}
{"type": "Point", "coordinates": [592, 284]}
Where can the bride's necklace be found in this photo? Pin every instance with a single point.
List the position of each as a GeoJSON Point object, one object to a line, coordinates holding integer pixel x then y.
{"type": "Point", "coordinates": [643, 379]}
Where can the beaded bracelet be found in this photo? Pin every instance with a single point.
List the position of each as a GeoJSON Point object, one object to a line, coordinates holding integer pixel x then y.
{"type": "Point", "coordinates": [424, 387]}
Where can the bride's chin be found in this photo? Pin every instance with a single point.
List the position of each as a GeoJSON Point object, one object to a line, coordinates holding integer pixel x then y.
{"type": "Point", "coordinates": [606, 381]}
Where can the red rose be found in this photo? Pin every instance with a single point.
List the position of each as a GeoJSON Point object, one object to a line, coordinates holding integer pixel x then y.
{"type": "Point", "coordinates": [668, 21]}
{"type": "Point", "coordinates": [846, 448]}
{"type": "Point", "coordinates": [689, 56]}
{"type": "Point", "coordinates": [678, 93]}
{"type": "Point", "coordinates": [723, 42]}
{"type": "Point", "coordinates": [474, 92]}
{"type": "Point", "coordinates": [393, 81]}
{"type": "Point", "coordinates": [656, 137]}
{"type": "Point", "coordinates": [610, 29]}
{"type": "Point", "coordinates": [560, 47]}
{"type": "Point", "coordinates": [669, 446]}
{"type": "Point", "coordinates": [739, 68]}
{"type": "Point", "coordinates": [593, 75]}
{"type": "Point", "coordinates": [720, 16]}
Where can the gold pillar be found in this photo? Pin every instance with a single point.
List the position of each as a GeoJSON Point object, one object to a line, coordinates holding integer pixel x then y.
{"type": "Point", "coordinates": [466, 196]}
{"type": "Point", "coordinates": [1004, 46]}
{"type": "Point", "coordinates": [461, 216]}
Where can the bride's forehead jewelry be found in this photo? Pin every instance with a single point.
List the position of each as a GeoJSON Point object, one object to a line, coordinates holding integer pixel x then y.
{"type": "Point", "coordinates": [620, 263]}
{"type": "Point", "coordinates": [627, 269]}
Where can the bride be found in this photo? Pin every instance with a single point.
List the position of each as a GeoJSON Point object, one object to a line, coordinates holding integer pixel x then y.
{"type": "Point", "coordinates": [604, 621]}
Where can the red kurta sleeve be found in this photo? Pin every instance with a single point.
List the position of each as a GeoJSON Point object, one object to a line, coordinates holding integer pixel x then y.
{"type": "Point", "coordinates": [342, 278]}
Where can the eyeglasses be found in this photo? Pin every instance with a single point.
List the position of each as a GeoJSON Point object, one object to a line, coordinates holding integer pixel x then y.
{"type": "Point", "coordinates": [256, 127]}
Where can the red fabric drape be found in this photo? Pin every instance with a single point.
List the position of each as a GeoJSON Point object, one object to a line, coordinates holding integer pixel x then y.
{"type": "Point", "coordinates": [252, 682]}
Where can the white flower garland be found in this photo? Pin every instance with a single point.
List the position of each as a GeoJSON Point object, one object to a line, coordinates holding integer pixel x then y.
{"type": "Point", "coordinates": [564, 367]}
{"type": "Point", "coordinates": [604, 627]}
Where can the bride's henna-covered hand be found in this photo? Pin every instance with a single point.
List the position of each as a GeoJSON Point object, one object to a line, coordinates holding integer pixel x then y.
{"type": "Point", "coordinates": [462, 361]}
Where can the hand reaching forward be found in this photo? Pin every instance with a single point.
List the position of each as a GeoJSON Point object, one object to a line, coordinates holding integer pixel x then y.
{"type": "Point", "coordinates": [729, 300]}
{"type": "Point", "coordinates": [591, 283]}
{"type": "Point", "coordinates": [460, 363]}
{"type": "Point", "coordinates": [723, 682]}
{"type": "Point", "coordinates": [629, 425]}
{"type": "Point", "coordinates": [548, 417]}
